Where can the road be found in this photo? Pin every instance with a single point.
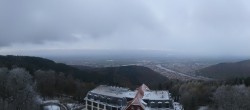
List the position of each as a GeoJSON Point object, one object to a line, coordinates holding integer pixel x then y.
{"type": "Point", "coordinates": [175, 72]}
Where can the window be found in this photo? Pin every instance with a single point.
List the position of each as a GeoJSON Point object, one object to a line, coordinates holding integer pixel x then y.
{"type": "Point", "coordinates": [167, 104]}
{"type": "Point", "coordinates": [114, 108]}
{"type": "Point", "coordinates": [152, 104]}
{"type": "Point", "coordinates": [96, 97]}
{"type": "Point", "coordinates": [119, 102]}
{"type": "Point", "coordinates": [89, 96]}
{"type": "Point", "coordinates": [108, 100]}
{"type": "Point", "coordinates": [89, 107]}
{"type": "Point", "coordinates": [108, 107]}
{"type": "Point", "coordinates": [101, 106]}
{"type": "Point", "coordinates": [95, 104]}
{"type": "Point", "coordinates": [102, 99]}
{"type": "Point", "coordinates": [89, 102]}
{"type": "Point", "coordinates": [159, 104]}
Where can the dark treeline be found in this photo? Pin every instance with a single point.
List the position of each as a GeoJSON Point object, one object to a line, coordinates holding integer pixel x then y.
{"type": "Point", "coordinates": [215, 94]}
{"type": "Point", "coordinates": [120, 76]}
{"type": "Point", "coordinates": [39, 78]}
{"type": "Point", "coordinates": [52, 84]}
{"type": "Point", "coordinates": [19, 89]}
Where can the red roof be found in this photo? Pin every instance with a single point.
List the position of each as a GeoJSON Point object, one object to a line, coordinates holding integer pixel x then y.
{"type": "Point", "coordinates": [138, 97]}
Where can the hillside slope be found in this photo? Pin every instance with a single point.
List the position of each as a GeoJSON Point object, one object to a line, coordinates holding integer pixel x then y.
{"type": "Point", "coordinates": [35, 63]}
{"type": "Point", "coordinates": [123, 76]}
{"type": "Point", "coordinates": [126, 76]}
{"type": "Point", "coordinates": [226, 70]}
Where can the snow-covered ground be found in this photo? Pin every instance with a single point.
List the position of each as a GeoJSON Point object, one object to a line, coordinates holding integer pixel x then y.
{"type": "Point", "coordinates": [50, 101]}
{"type": "Point", "coordinates": [203, 108]}
{"type": "Point", "coordinates": [177, 106]}
{"type": "Point", "coordinates": [72, 106]}
{"type": "Point", "coordinates": [51, 107]}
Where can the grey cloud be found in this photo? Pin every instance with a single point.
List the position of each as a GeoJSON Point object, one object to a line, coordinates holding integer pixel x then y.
{"type": "Point", "coordinates": [38, 21]}
{"type": "Point", "coordinates": [195, 27]}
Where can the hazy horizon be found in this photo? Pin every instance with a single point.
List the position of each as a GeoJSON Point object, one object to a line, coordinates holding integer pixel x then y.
{"type": "Point", "coordinates": [210, 28]}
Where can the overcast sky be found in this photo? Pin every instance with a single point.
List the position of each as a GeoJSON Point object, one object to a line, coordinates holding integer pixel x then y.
{"type": "Point", "coordinates": [202, 27]}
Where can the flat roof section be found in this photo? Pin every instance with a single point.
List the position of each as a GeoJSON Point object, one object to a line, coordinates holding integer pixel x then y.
{"type": "Point", "coordinates": [121, 92]}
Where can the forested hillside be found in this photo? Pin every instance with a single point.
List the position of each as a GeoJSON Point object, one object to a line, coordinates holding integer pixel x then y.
{"type": "Point", "coordinates": [227, 70]}
{"type": "Point", "coordinates": [36, 78]}
{"type": "Point", "coordinates": [128, 76]}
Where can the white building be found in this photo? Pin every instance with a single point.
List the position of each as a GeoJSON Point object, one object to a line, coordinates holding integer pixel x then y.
{"type": "Point", "coordinates": [116, 98]}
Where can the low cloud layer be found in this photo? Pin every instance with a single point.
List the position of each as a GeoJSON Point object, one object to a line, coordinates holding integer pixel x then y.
{"type": "Point", "coordinates": [194, 27]}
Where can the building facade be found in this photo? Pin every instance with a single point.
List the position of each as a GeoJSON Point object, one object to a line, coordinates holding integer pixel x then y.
{"type": "Point", "coordinates": [116, 98]}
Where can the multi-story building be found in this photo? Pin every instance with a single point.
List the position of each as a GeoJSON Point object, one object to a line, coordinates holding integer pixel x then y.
{"type": "Point", "coordinates": [116, 98]}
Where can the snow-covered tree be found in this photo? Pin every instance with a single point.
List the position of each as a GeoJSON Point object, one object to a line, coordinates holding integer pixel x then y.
{"type": "Point", "coordinates": [18, 92]}
{"type": "Point", "coordinates": [232, 97]}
